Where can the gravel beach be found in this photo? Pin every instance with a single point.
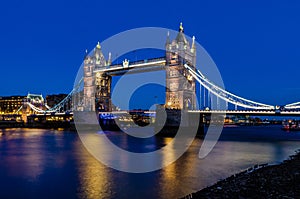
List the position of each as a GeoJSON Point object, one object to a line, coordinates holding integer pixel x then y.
{"type": "Point", "coordinates": [260, 181]}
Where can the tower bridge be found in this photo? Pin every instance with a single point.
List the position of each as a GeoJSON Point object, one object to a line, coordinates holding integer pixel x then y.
{"type": "Point", "coordinates": [180, 86]}
{"type": "Point", "coordinates": [179, 64]}
{"type": "Point", "coordinates": [182, 75]}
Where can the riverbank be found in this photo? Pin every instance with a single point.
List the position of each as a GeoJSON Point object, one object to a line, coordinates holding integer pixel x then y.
{"type": "Point", "coordinates": [261, 181]}
{"type": "Point", "coordinates": [11, 124]}
{"type": "Point", "coordinates": [41, 125]}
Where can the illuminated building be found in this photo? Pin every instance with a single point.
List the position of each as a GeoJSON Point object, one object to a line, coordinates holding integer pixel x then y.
{"type": "Point", "coordinates": [11, 104]}
{"type": "Point", "coordinates": [15, 104]}
{"type": "Point", "coordinates": [180, 85]}
{"type": "Point", "coordinates": [96, 88]}
{"type": "Point", "coordinates": [35, 99]}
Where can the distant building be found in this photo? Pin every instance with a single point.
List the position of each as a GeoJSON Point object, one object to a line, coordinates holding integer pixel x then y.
{"type": "Point", "coordinates": [35, 99]}
{"type": "Point", "coordinates": [11, 104]}
{"type": "Point", "coordinates": [52, 100]}
{"type": "Point", "coordinates": [14, 104]}
{"type": "Point", "coordinates": [18, 104]}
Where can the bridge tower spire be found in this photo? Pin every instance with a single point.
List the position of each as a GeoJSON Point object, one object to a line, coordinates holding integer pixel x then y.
{"type": "Point", "coordinates": [180, 91]}
{"type": "Point", "coordinates": [90, 90]}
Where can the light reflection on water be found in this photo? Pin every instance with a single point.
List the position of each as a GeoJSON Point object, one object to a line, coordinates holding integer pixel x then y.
{"type": "Point", "coordinates": [94, 179]}
{"type": "Point", "coordinates": [54, 164]}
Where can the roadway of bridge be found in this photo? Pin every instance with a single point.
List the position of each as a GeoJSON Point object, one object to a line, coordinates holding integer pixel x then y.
{"type": "Point", "coordinates": [227, 112]}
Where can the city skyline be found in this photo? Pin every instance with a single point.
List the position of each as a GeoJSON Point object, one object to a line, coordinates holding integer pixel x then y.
{"type": "Point", "coordinates": [255, 45]}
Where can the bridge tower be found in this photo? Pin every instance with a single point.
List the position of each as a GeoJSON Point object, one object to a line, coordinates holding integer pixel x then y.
{"type": "Point", "coordinates": [89, 85]}
{"type": "Point", "coordinates": [180, 91]}
{"type": "Point", "coordinates": [96, 87]}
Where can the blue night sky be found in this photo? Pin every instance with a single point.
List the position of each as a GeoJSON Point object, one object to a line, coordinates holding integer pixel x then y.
{"type": "Point", "coordinates": [255, 44]}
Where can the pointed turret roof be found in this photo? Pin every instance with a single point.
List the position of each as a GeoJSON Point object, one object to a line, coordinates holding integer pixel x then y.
{"type": "Point", "coordinates": [98, 55]}
{"type": "Point", "coordinates": [98, 50]}
{"type": "Point", "coordinates": [180, 36]}
{"type": "Point", "coordinates": [98, 45]}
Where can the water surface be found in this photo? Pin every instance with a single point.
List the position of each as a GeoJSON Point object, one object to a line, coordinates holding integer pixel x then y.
{"type": "Point", "coordinates": [39, 163]}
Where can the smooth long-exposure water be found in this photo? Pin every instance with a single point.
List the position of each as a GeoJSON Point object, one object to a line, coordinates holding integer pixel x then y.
{"type": "Point", "coordinates": [38, 163]}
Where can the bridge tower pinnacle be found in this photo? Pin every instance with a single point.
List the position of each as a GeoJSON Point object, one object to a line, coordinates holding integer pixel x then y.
{"type": "Point", "coordinates": [180, 91]}
{"type": "Point", "coordinates": [96, 86]}
{"type": "Point", "coordinates": [90, 63]}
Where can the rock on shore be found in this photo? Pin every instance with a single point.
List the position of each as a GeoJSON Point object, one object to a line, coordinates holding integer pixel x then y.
{"type": "Point", "coordinates": [261, 181]}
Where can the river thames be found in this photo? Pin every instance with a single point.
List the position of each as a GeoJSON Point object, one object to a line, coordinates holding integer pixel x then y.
{"type": "Point", "coordinates": [43, 163]}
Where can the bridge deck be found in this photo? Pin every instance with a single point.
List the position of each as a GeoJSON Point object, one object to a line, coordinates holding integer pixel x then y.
{"type": "Point", "coordinates": [138, 66]}
{"type": "Point", "coordinates": [227, 112]}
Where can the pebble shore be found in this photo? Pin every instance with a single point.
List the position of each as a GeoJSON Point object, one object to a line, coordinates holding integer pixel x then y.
{"type": "Point", "coordinates": [260, 181]}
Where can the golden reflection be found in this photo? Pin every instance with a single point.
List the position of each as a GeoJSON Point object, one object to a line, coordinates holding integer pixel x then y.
{"type": "Point", "coordinates": [93, 176]}
{"type": "Point", "coordinates": [176, 174]}
{"type": "Point", "coordinates": [169, 154]}
{"type": "Point", "coordinates": [169, 173]}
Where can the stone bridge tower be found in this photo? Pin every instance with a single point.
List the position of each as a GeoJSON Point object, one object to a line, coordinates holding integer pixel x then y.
{"type": "Point", "coordinates": [180, 91]}
{"type": "Point", "coordinates": [96, 94]}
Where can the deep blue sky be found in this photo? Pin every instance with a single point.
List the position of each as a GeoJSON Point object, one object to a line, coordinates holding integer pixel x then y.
{"type": "Point", "coordinates": [255, 44]}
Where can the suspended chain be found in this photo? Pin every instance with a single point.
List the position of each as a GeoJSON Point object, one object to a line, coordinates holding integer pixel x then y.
{"type": "Point", "coordinates": [58, 106]}
{"type": "Point", "coordinates": [295, 105]}
{"type": "Point", "coordinates": [225, 95]}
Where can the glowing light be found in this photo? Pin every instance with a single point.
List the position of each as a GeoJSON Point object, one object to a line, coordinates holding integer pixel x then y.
{"type": "Point", "coordinates": [190, 77]}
